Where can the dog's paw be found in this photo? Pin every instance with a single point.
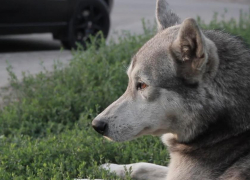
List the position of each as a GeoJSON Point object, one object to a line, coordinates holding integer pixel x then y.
{"type": "Point", "coordinates": [119, 170]}
{"type": "Point", "coordinates": [109, 166]}
{"type": "Point", "coordinates": [87, 179]}
{"type": "Point", "coordinates": [138, 170]}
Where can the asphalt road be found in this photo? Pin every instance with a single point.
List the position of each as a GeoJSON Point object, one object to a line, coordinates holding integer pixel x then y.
{"type": "Point", "coordinates": [26, 52]}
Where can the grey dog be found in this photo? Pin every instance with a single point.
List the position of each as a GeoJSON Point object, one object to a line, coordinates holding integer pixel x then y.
{"type": "Point", "coordinates": [190, 86]}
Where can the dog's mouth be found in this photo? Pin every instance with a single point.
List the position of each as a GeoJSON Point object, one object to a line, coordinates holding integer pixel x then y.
{"type": "Point", "coordinates": [145, 131]}
{"type": "Point", "coordinates": [148, 131]}
{"type": "Point", "coordinates": [159, 132]}
{"type": "Point", "coordinates": [120, 138]}
{"type": "Point", "coordinates": [108, 138]}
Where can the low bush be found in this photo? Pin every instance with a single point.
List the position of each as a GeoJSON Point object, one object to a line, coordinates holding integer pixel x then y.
{"type": "Point", "coordinates": [46, 123]}
{"type": "Point", "coordinates": [53, 101]}
{"type": "Point", "coordinates": [72, 154]}
{"type": "Point", "coordinates": [238, 27]}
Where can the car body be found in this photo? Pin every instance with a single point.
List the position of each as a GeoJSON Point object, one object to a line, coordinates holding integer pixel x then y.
{"type": "Point", "coordinates": [42, 16]}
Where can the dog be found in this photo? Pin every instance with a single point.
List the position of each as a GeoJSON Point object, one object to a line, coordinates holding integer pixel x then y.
{"type": "Point", "coordinates": [190, 86]}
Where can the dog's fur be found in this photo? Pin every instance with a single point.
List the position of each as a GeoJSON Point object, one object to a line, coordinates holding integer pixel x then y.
{"type": "Point", "coordinates": [197, 97]}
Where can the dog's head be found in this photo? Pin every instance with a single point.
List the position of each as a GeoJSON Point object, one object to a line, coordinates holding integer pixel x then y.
{"type": "Point", "coordinates": [165, 76]}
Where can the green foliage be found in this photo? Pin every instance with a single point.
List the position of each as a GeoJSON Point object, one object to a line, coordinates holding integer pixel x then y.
{"type": "Point", "coordinates": [239, 27]}
{"type": "Point", "coordinates": [46, 121]}
{"type": "Point", "coordinates": [71, 154]}
{"type": "Point", "coordinates": [52, 101]}
{"type": "Point", "coordinates": [46, 128]}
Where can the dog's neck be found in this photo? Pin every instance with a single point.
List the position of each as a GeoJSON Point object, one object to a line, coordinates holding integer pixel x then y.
{"type": "Point", "coordinates": [194, 155]}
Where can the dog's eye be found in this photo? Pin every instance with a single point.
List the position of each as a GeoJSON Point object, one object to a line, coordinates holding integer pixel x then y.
{"type": "Point", "coordinates": [141, 86]}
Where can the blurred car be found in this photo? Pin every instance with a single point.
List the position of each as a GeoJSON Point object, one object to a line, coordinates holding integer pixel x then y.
{"type": "Point", "coordinates": [70, 21]}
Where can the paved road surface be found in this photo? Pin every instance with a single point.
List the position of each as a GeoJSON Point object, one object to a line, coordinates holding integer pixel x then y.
{"type": "Point", "coordinates": [25, 53]}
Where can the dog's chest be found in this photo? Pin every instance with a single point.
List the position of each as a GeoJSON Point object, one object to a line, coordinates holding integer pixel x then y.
{"type": "Point", "coordinates": [184, 168]}
{"type": "Point", "coordinates": [218, 162]}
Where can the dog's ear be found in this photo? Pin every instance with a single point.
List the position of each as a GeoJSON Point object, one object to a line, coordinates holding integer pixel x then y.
{"type": "Point", "coordinates": [164, 16]}
{"type": "Point", "coordinates": [190, 50]}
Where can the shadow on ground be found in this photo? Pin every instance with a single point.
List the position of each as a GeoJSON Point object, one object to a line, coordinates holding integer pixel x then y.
{"type": "Point", "coordinates": [28, 43]}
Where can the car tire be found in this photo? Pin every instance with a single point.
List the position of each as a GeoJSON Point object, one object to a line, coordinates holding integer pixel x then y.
{"type": "Point", "coordinates": [89, 18]}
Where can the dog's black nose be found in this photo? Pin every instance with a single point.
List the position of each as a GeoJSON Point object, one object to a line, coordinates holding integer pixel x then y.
{"type": "Point", "coordinates": [99, 126]}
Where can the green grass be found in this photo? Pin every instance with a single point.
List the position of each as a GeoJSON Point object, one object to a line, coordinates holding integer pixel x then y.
{"type": "Point", "coordinates": [46, 123]}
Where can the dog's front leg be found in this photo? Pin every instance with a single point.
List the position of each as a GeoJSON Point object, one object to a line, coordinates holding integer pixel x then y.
{"type": "Point", "coordinates": [139, 171]}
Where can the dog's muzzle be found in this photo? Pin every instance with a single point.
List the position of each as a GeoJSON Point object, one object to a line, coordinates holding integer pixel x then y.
{"type": "Point", "coordinates": [99, 126]}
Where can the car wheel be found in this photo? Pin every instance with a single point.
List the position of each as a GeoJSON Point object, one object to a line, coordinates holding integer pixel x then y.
{"type": "Point", "coordinates": [89, 18]}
